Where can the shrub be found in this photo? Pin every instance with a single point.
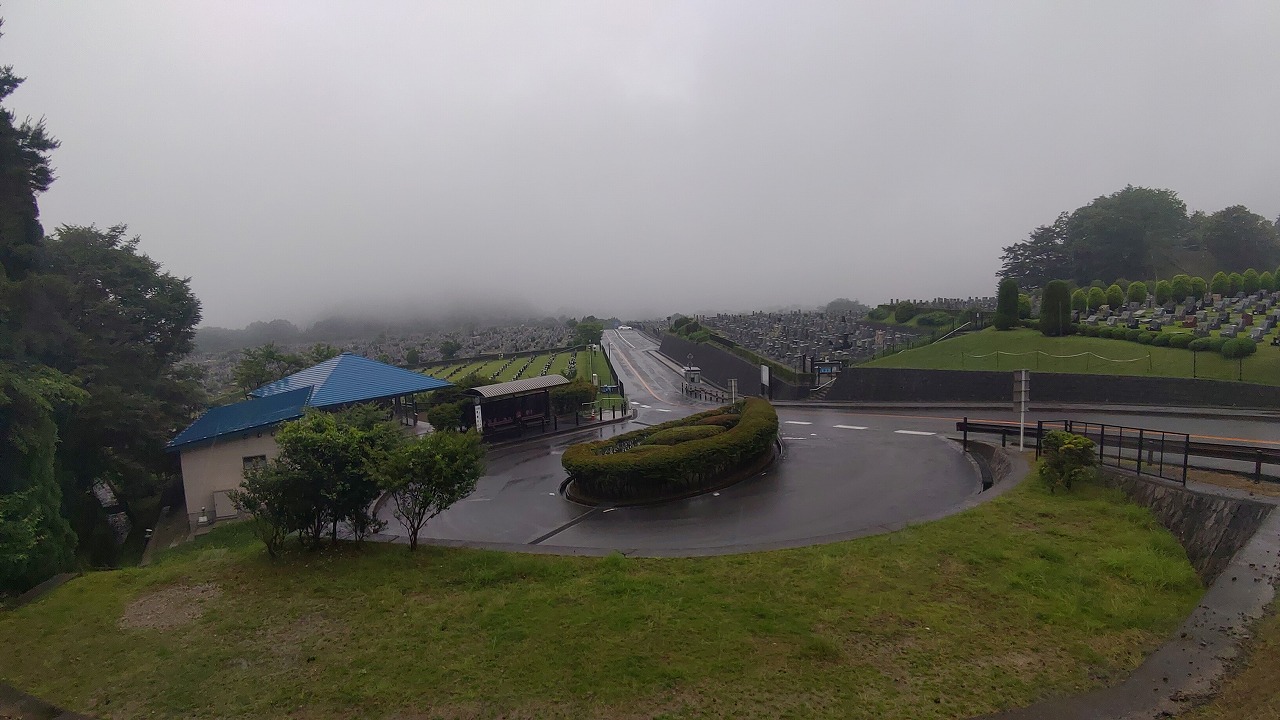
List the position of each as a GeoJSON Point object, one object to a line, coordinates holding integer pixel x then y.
{"type": "Point", "coordinates": [1066, 459]}
{"type": "Point", "coordinates": [1115, 296]}
{"type": "Point", "coordinates": [677, 435]}
{"type": "Point", "coordinates": [1055, 309]}
{"type": "Point", "coordinates": [1200, 344]}
{"type": "Point", "coordinates": [1220, 284]}
{"type": "Point", "coordinates": [936, 318]}
{"type": "Point", "coordinates": [1162, 340]}
{"type": "Point", "coordinates": [727, 420]}
{"type": "Point", "coordinates": [1237, 282]}
{"type": "Point", "coordinates": [904, 311]}
{"type": "Point", "coordinates": [878, 314]}
{"type": "Point", "coordinates": [1006, 305]}
{"type": "Point", "coordinates": [1079, 301]}
{"type": "Point", "coordinates": [1090, 330]}
{"type": "Point", "coordinates": [1199, 288]}
{"type": "Point", "coordinates": [1137, 292]}
{"type": "Point", "coordinates": [1164, 292]}
{"type": "Point", "coordinates": [1250, 282]}
{"type": "Point", "coordinates": [1180, 287]}
{"type": "Point", "coordinates": [1216, 343]}
{"type": "Point", "coordinates": [570, 398]}
{"type": "Point", "coordinates": [1238, 348]}
{"type": "Point", "coordinates": [1096, 298]}
{"type": "Point", "coordinates": [1180, 340]}
{"type": "Point", "coordinates": [1105, 331]}
{"type": "Point", "coordinates": [1145, 337]}
{"type": "Point", "coordinates": [616, 469]}
{"type": "Point", "coordinates": [1132, 334]}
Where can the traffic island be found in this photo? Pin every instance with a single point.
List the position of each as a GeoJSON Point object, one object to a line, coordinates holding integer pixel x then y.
{"type": "Point", "coordinates": [678, 459]}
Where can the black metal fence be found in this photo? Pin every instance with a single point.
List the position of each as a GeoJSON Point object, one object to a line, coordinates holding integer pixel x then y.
{"type": "Point", "coordinates": [1148, 452]}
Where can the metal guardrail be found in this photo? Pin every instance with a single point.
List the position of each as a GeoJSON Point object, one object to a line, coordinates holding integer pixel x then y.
{"type": "Point", "coordinates": [1142, 449]}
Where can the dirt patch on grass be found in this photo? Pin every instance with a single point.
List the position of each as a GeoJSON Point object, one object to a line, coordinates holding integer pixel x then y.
{"type": "Point", "coordinates": [168, 608]}
{"type": "Point", "coordinates": [1235, 482]}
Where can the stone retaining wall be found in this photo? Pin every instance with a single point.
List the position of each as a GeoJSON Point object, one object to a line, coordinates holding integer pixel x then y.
{"type": "Point", "coordinates": [1212, 528]}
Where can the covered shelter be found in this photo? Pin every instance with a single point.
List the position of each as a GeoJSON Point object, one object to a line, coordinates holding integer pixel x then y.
{"type": "Point", "coordinates": [516, 405]}
{"type": "Point", "coordinates": [222, 443]}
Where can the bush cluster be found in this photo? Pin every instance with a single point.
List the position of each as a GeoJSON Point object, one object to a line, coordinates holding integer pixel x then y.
{"type": "Point", "coordinates": [684, 433]}
{"type": "Point", "coordinates": [1066, 458]}
{"type": "Point", "coordinates": [621, 469]}
{"type": "Point", "coordinates": [937, 318]}
{"type": "Point", "coordinates": [1230, 348]}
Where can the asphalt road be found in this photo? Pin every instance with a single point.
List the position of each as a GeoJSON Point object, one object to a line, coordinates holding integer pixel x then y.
{"type": "Point", "coordinates": [845, 473]}
{"type": "Point", "coordinates": [837, 479]}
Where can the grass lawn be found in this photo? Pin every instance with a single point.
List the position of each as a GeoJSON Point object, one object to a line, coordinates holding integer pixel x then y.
{"type": "Point", "coordinates": [1027, 596]}
{"type": "Point", "coordinates": [978, 351]}
{"type": "Point", "coordinates": [589, 362]}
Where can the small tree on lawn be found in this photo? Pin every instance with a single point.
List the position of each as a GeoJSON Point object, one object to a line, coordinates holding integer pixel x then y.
{"type": "Point", "coordinates": [1055, 309]}
{"type": "Point", "coordinates": [1097, 298]}
{"type": "Point", "coordinates": [1115, 297]}
{"type": "Point", "coordinates": [1007, 305]}
{"type": "Point", "coordinates": [1220, 284]}
{"type": "Point", "coordinates": [1079, 300]}
{"type": "Point", "coordinates": [1199, 288]}
{"type": "Point", "coordinates": [1137, 292]}
{"type": "Point", "coordinates": [425, 477]}
{"type": "Point", "coordinates": [1164, 292]}
{"type": "Point", "coordinates": [1066, 459]}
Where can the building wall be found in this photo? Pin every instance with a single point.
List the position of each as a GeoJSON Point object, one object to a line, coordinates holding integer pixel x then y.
{"type": "Point", "coordinates": [206, 469]}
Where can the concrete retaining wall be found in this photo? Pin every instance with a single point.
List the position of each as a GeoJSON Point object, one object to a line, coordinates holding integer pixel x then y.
{"type": "Point", "coordinates": [719, 365]}
{"type": "Point", "coordinates": [1212, 528]}
{"type": "Point", "coordinates": [868, 384]}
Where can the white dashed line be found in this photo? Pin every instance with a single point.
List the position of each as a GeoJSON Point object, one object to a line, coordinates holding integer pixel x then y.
{"type": "Point", "coordinates": [851, 427]}
{"type": "Point", "coordinates": [646, 406]}
{"type": "Point", "coordinates": [662, 409]}
{"type": "Point", "coordinates": [797, 422]}
{"type": "Point", "coordinates": [913, 432]}
{"type": "Point", "coordinates": [784, 437]}
{"type": "Point", "coordinates": [633, 402]}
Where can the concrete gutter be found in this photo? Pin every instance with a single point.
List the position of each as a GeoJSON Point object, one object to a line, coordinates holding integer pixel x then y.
{"type": "Point", "coordinates": [1218, 413]}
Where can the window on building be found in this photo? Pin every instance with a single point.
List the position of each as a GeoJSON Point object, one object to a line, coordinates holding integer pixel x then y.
{"type": "Point", "coordinates": [254, 462]}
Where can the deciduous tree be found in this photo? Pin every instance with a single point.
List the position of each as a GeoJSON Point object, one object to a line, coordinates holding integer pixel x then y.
{"type": "Point", "coordinates": [427, 476]}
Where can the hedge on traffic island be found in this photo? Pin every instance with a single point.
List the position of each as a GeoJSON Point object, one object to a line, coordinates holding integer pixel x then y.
{"type": "Point", "coordinates": [676, 458]}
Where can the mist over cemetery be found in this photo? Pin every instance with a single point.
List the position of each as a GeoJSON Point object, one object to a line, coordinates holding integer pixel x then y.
{"type": "Point", "coordinates": [640, 488]}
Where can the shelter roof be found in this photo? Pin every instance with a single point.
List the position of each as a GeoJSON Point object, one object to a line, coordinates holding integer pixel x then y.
{"type": "Point", "coordinates": [516, 387]}
{"type": "Point", "coordinates": [242, 416]}
{"type": "Point", "coordinates": [350, 378]}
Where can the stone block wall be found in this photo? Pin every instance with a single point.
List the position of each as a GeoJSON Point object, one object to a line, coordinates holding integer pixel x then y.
{"type": "Point", "coordinates": [1212, 528]}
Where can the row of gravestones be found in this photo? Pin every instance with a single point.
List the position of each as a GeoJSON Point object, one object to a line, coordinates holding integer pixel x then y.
{"type": "Point", "coordinates": [547, 368]}
{"type": "Point", "coordinates": [786, 336]}
{"type": "Point", "coordinates": [502, 369]}
{"type": "Point", "coordinates": [520, 374]}
{"type": "Point", "coordinates": [1195, 315]}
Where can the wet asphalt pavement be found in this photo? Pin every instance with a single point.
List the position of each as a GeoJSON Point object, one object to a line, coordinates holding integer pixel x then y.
{"type": "Point", "coordinates": [840, 476]}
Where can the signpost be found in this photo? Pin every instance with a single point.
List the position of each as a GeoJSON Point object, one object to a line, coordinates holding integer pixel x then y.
{"type": "Point", "coordinates": [733, 390]}
{"type": "Point", "coordinates": [1021, 396]}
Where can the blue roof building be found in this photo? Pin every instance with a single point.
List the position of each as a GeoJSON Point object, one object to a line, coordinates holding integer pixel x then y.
{"type": "Point", "coordinates": [222, 443]}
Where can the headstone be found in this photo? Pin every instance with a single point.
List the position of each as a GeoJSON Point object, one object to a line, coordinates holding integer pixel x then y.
{"type": "Point", "coordinates": [1246, 319]}
{"type": "Point", "coordinates": [1189, 322]}
{"type": "Point", "coordinates": [1215, 324]}
{"type": "Point", "coordinates": [1228, 331]}
{"type": "Point", "coordinates": [1256, 334]}
{"type": "Point", "coordinates": [1112, 320]}
{"type": "Point", "coordinates": [1201, 332]}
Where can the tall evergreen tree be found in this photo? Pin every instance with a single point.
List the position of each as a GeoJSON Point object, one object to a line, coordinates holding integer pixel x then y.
{"type": "Point", "coordinates": [1007, 305]}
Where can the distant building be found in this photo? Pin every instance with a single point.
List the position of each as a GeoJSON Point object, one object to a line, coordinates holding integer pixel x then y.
{"type": "Point", "coordinates": [221, 444]}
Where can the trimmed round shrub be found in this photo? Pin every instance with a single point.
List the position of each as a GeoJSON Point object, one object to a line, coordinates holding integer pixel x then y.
{"type": "Point", "coordinates": [613, 470]}
{"type": "Point", "coordinates": [1162, 340]}
{"type": "Point", "coordinates": [1133, 334]}
{"type": "Point", "coordinates": [726, 420]}
{"type": "Point", "coordinates": [1216, 343]}
{"type": "Point", "coordinates": [1146, 337]}
{"type": "Point", "coordinates": [1238, 348]}
{"type": "Point", "coordinates": [1090, 330]}
{"type": "Point", "coordinates": [1181, 341]}
{"type": "Point", "coordinates": [1200, 344]}
{"type": "Point", "coordinates": [677, 435]}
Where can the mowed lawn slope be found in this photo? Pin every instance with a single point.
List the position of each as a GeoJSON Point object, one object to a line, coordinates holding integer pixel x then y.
{"type": "Point", "coordinates": [978, 351]}
{"type": "Point", "coordinates": [1027, 596]}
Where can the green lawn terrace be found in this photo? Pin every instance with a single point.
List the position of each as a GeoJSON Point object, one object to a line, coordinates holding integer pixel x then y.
{"type": "Point", "coordinates": [526, 365]}
{"type": "Point", "coordinates": [991, 349]}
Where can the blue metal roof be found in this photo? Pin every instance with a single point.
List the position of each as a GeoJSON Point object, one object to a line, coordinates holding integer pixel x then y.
{"type": "Point", "coordinates": [351, 378]}
{"type": "Point", "coordinates": [241, 416]}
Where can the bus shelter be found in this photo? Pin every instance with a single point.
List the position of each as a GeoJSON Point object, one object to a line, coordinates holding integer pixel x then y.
{"type": "Point", "coordinates": [512, 407]}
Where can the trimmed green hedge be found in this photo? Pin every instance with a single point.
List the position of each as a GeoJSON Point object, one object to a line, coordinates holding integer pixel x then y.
{"type": "Point", "coordinates": [727, 420]}
{"type": "Point", "coordinates": [677, 435]}
{"type": "Point", "coordinates": [621, 469]}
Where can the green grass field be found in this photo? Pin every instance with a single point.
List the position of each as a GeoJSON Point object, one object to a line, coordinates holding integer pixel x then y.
{"type": "Point", "coordinates": [1014, 349]}
{"type": "Point", "coordinates": [1027, 596]}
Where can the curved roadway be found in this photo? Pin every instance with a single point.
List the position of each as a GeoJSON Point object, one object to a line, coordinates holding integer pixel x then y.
{"type": "Point", "coordinates": [839, 478]}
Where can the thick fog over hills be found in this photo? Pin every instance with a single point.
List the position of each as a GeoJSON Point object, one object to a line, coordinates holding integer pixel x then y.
{"type": "Point", "coordinates": [300, 159]}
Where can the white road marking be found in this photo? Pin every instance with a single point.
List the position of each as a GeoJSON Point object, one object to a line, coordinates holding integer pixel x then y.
{"type": "Point", "coordinates": [628, 342]}
{"type": "Point", "coordinates": [784, 437]}
{"type": "Point", "coordinates": [851, 427]}
{"type": "Point", "coordinates": [646, 406]}
{"type": "Point", "coordinates": [610, 509]}
{"type": "Point", "coordinates": [913, 432]}
{"type": "Point", "coordinates": [797, 422]}
{"type": "Point", "coordinates": [662, 409]}
{"type": "Point", "coordinates": [633, 402]}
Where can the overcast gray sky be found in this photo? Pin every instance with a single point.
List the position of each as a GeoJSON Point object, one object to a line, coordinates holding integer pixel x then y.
{"type": "Point", "coordinates": [296, 158]}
